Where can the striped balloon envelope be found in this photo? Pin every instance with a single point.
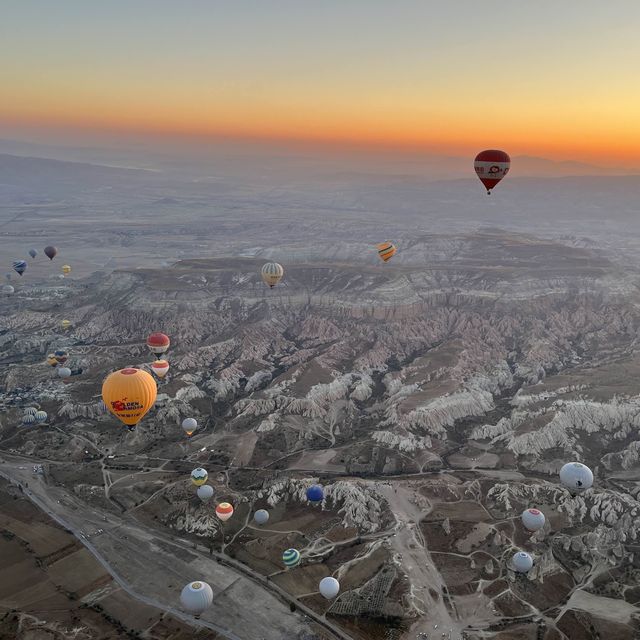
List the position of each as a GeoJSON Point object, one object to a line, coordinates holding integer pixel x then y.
{"type": "Point", "coordinates": [158, 343]}
{"type": "Point", "coordinates": [291, 557]}
{"type": "Point", "coordinates": [491, 166]}
{"type": "Point", "coordinates": [160, 368]}
{"type": "Point", "coordinates": [272, 273]}
{"type": "Point", "coordinates": [386, 251]}
{"type": "Point", "coordinates": [224, 511]}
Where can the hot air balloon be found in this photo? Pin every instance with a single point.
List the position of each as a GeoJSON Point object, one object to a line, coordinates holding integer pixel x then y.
{"type": "Point", "coordinates": [30, 411]}
{"type": "Point", "coordinates": [19, 266]}
{"type": "Point", "coordinates": [196, 598]}
{"type": "Point", "coordinates": [199, 476]}
{"type": "Point", "coordinates": [51, 360]}
{"type": "Point", "coordinates": [61, 356]}
{"type": "Point", "coordinates": [205, 492]}
{"type": "Point", "coordinates": [272, 273]}
{"type": "Point", "coordinates": [189, 425]}
{"type": "Point", "coordinates": [315, 494]}
{"type": "Point", "coordinates": [129, 394]}
{"type": "Point", "coordinates": [491, 166]}
{"type": "Point", "coordinates": [261, 516]}
{"type": "Point", "coordinates": [532, 519]}
{"type": "Point", "coordinates": [50, 252]}
{"type": "Point", "coordinates": [64, 372]}
{"type": "Point", "coordinates": [158, 343]}
{"type": "Point", "coordinates": [28, 419]}
{"type": "Point", "coordinates": [66, 324]}
{"type": "Point", "coordinates": [522, 562]}
{"type": "Point", "coordinates": [7, 289]}
{"type": "Point", "coordinates": [576, 476]}
{"type": "Point", "coordinates": [66, 269]}
{"type": "Point", "coordinates": [386, 251]}
{"type": "Point", "coordinates": [33, 253]}
{"type": "Point", "coordinates": [224, 511]}
{"type": "Point", "coordinates": [290, 558]}
{"type": "Point", "coordinates": [160, 368]}
{"type": "Point", "coordinates": [329, 588]}
{"type": "Point", "coordinates": [41, 416]}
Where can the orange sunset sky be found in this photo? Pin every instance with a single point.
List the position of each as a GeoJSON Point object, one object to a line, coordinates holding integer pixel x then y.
{"type": "Point", "coordinates": [557, 79]}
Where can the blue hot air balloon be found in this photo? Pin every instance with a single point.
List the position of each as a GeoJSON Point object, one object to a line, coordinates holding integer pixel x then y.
{"type": "Point", "coordinates": [315, 493]}
{"type": "Point", "coordinates": [33, 253]}
{"type": "Point", "coordinates": [19, 266]}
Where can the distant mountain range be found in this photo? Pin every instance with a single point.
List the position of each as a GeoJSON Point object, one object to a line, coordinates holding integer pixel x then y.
{"type": "Point", "coordinates": [542, 167]}
{"type": "Point", "coordinates": [357, 165]}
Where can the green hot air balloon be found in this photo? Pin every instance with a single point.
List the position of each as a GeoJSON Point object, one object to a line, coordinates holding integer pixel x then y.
{"type": "Point", "coordinates": [291, 557]}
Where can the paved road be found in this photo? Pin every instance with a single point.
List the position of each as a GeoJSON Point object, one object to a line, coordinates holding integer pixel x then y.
{"type": "Point", "coordinates": [153, 568]}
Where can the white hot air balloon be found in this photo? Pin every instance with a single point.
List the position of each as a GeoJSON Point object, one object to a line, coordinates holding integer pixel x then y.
{"type": "Point", "coordinates": [533, 519]}
{"type": "Point", "coordinates": [576, 476]}
{"type": "Point", "coordinates": [189, 425]}
{"type": "Point", "coordinates": [261, 516]}
{"type": "Point", "coordinates": [8, 290]}
{"type": "Point", "coordinates": [41, 416]}
{"type": "Point", "coordinates": [329, 588]}
{"type": "Point", "coordinates": [63, 372]}
{"type": "Point", "coordinates": [272, 273]}
{"type": "Point", "coordinates": [27, 418]}
{"type": "Point", "coordinates": [522, 562]}
{"type": "Point", "coordinates": [205, 492]}
{"type": "Point", "coordinates": [196, 597]}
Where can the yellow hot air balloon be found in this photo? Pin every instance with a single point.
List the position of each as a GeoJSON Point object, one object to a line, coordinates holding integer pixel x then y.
{"type": "Point", "coordinates": [66, 324]}
{"type": "Point", "coordinates": [272, 273]}
{"type": "Point", "coordinates": [66, 269]}
{"type": "Point", "coordinates": [129, 394]}
{"type": "Point", "coordinates": [51, 360]}
{"type": "Point", "coordinates": [386, 251]}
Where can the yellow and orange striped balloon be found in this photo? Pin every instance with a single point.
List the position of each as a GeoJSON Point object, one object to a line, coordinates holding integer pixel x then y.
{"type": "Point", "coordinates": [129, 394]}
{"type": "Point", "coordinates": [386, 251]}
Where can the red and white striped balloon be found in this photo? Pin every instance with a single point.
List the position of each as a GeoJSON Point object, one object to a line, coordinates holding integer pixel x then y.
{"type": "Point", "coordinates": [160, 368]}
{"type": "Point", "coordinates": [491, 166]}
{"type": "Point", "coordinates": [224, 511]}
